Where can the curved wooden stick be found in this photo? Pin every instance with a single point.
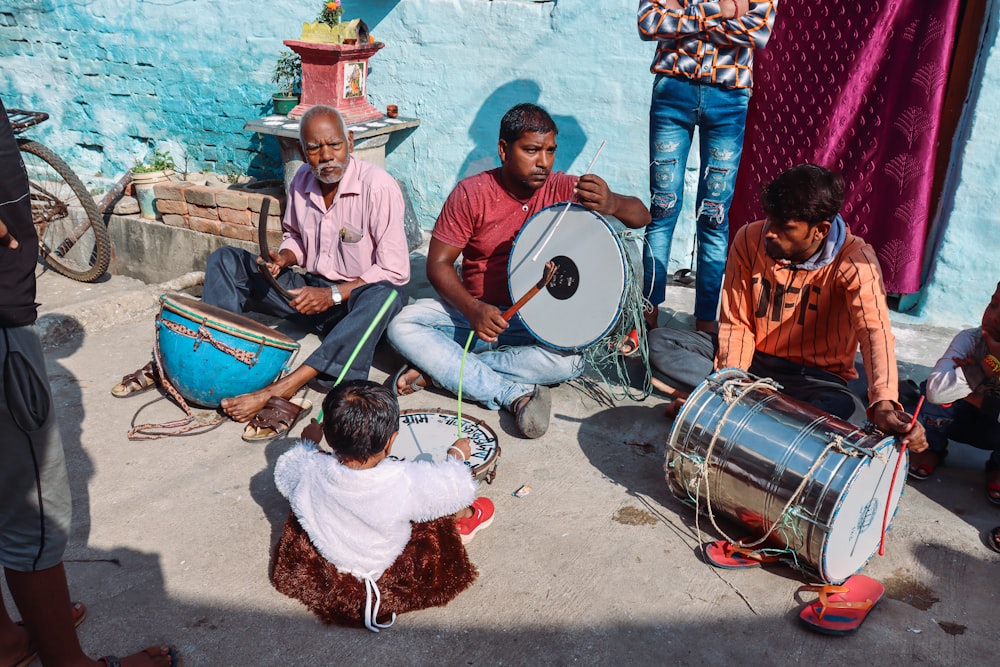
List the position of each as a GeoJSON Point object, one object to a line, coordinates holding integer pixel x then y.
{"type": "Point", "coordinates": [265, 253]}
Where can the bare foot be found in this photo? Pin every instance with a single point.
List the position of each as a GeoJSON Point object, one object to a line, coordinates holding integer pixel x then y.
{"type": "Point", "coordinates": [463, 513]}
{"type": "Point", "coordinates": [154, 656]}
{"type": "Point", "coordinates": [242, 408]}
{"type": "Point", "coordinates": [15, 646]}
{"type": "Point", "coordinates": [406, 382]}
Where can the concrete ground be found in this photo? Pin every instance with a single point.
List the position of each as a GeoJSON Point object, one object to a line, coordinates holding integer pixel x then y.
{"type": "Point", "coordinates": [597, 566]}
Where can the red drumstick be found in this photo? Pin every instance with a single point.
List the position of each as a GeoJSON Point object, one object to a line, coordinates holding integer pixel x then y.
{"type": "Point", "coordinates": [892, 482]}
{"type": "Point", "coordinates": [550, 273]}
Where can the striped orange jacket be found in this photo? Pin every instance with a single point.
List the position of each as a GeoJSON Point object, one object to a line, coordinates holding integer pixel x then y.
{"type": "Point", "coordinates": [816, 318]}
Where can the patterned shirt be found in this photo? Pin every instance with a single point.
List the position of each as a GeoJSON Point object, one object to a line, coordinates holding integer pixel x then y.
{"type": "Point", "coordinates": [697, 42]}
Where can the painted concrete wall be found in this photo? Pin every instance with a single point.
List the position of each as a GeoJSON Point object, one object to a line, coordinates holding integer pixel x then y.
{"type": "Point", "coordinates": [122, 76]}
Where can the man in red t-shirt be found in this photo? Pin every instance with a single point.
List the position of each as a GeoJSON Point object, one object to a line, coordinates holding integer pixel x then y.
{"type": "Point", "coordinates": [507, 368]}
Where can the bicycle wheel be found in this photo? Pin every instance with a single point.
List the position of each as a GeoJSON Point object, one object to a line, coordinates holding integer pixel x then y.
{"type": "Point", "coordinates": [72, 236]}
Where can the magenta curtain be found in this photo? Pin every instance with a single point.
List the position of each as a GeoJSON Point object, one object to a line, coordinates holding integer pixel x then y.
{"type": "Point", "coordinates": [857, 87]}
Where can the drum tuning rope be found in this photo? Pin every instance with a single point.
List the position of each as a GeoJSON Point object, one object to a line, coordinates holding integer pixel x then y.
{"type": "Point", "coordinates": [605, 353]}
{"type": "Point", "coordinates": [562, 214]}
{"type": "Point", "coordinates": [729, 388]}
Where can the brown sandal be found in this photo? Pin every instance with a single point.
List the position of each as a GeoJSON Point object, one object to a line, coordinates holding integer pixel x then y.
{"type": "Point", "coordinates": [136, 383]}
{"type": "Point", "coordinates": [275, 418]}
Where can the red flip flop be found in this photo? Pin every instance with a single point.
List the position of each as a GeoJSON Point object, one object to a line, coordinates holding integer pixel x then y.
{"type": "Point", "coordinates": [842, 609]}
{"type": "Point", "coordinates": [729, 556]}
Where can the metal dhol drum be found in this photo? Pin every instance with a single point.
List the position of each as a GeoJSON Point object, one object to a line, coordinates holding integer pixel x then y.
{"type": "Point", "coordinates": [209, 354]}
{"type": "Point", "coordinates": [585, 299]}
{"type": "Point", "coordinates": [425, 435]}
{"type": "Point", "coordinates": [749, 451]}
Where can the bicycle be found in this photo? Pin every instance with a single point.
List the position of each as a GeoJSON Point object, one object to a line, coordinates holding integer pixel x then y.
{"type": "Point", "coordinates": [72, 237]}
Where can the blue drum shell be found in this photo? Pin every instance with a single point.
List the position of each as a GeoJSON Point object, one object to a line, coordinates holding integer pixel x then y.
{"type": "Point", "coordinates": [202, 372]}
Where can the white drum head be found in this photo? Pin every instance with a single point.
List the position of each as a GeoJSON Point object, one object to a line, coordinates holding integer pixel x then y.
{"type": "Point", "coordinates": [856, 527]}
{"type": "Point", "coordinates": [425, 435]}
{"type": "Point", "coordinates": [585, 299]}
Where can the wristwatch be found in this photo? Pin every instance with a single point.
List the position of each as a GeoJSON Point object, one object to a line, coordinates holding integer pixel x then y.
{"type": "Point", "coordinates": [335, 295]}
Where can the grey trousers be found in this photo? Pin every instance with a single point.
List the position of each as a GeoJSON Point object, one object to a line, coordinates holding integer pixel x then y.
{"type": "Point", "coordinates": [683, 359]}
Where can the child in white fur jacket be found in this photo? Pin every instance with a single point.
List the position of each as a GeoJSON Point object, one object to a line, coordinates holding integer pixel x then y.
{"type": "Point", "coordinates": [357, 505]}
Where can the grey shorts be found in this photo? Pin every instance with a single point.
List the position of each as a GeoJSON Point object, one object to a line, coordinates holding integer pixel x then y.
{"type": "Point", "coordinates": [35, 505]}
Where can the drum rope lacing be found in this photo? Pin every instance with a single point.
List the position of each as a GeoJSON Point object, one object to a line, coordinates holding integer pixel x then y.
{"type": "Point", "coordinates": [191, 425]}
{"type": "Point", "coordinates": [731, 391]}
{"type": "Point", "coordinates": [604, 356]}
{"type": "Point", "coordinates": [203, 334]}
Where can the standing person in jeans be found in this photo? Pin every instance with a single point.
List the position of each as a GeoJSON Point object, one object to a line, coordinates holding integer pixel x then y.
{"type": "Point", "coordinates": [704, 73]}
{"type": "Point", "coordinates": [35, 504]}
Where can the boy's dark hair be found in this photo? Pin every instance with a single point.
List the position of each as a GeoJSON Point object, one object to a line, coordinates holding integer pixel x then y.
{"type": "Point", "coordinates": [805, 192]}
{"type": "Point", "coordinates": [359, 417]}
{"type": "Point", "coordinates": [525, 117]}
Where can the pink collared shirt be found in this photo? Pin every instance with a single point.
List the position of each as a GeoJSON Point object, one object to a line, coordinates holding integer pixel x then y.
{"type": "Point", "coordinates": [361, 235]}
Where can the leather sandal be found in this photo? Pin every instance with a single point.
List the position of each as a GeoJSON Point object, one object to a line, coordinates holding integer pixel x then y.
{"type": "Point", "coordinates": [276, 418]}
{"type": "Point", "coordinates": [141, 380]}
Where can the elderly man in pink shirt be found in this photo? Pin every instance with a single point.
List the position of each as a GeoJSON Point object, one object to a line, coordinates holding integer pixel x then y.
{"type": "Point", "coordinates": [343, 224]}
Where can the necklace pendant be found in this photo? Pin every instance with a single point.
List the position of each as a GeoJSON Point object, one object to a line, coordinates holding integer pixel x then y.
{"type": "Point", "coordinates": [524, 207]}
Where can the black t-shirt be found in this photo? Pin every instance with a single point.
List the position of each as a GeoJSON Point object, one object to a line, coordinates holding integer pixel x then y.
{"type": "Point", "coordinates": [17, 267]}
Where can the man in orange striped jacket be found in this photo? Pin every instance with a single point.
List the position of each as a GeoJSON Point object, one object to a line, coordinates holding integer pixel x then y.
{"type": "Point", "coordinates": [800, 295]}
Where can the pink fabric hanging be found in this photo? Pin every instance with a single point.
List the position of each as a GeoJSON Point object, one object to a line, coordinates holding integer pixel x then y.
{"type": "Point", "coordinates": [857, 87]}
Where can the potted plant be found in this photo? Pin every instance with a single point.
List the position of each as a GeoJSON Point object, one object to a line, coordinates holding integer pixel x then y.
{"type": "Point", "coordinates": [287, 74]}
{"type": "Point", "coordinates": [156, 168]}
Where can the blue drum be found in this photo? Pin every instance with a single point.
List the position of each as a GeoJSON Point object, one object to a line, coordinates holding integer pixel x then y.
{"type": "Point", "coordinates": [209, 354]}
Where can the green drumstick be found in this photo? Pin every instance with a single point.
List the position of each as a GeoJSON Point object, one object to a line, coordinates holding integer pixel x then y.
{"type": "Point", "coordinates": [364, 338]}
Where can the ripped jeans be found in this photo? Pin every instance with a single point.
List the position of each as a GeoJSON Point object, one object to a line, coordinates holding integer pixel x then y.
{"type": "Point", "coordinates": [678, 106]}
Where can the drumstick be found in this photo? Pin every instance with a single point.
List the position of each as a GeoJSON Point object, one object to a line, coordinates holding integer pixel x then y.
{"type": "Point", "coordinates": [892, 482]}
{"type": "Point", "coordinates": [364, 338]}
{"type": "Point", "coordinates": [562, 214]}
{"type": "Point", "coordinates": [547, 276]}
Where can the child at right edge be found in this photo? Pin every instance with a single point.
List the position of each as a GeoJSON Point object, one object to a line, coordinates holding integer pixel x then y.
{"type": "Point", "coordinates": [370, 536]}
{"type": "Point", "coordinates": [963, 403]}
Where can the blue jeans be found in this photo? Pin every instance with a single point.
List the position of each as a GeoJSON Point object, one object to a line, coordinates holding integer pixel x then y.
{"type": "Point", "coordinates": [678, 106]}
{"type": "Point", "coordinates": [962, 422]}
{"type": "Point", "coordinates": [431, 335]}
{"type": "Point", "coordinates": [233, 282]}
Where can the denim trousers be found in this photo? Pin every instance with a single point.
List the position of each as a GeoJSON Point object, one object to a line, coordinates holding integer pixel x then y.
{"type": "Point", "coordinates": [962, 422]}
{"type": "Point", "coordinates": [431, 335]}
{"type": "Point", "coordinates": [678, 106]}
{"type": "Point", "coordinates": [233, 282]}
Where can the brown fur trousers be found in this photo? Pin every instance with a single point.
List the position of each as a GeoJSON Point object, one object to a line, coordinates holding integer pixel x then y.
{"type": "Point", "coordinates": [430, 572]}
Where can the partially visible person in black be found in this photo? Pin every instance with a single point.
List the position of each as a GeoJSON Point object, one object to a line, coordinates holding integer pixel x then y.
{"type": "Point", "coordinates": [35, 504]}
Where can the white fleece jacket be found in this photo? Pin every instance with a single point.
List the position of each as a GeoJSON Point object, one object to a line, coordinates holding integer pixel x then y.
{"type": "Point", "coordinates": [359, 520]}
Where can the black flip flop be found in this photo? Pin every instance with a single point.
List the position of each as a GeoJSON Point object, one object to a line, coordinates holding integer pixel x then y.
{"type": "Point", "coordinates": [992, 539]}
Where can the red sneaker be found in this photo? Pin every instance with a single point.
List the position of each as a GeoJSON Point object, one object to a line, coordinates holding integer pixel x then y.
{"type": "Point", "coordinates": [482, 516]}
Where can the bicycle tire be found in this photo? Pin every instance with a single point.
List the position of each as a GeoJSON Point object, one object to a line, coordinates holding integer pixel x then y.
{"type": "Point", "coordinates": [72, 237]}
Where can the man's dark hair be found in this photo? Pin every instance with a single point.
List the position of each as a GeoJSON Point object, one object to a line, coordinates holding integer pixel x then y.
{"type": "Point", "coordinates": [359, 416]}
{"type": "Point", "coordinates": [805, 192]}
{"type": "Point", "coordinates": [525, 117]}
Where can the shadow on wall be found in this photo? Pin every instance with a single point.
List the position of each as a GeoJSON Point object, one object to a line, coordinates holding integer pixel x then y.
{"type": "Point", "coordinates": [484, 129]}
{"type": "Point", "coordinates": [375, 10]}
